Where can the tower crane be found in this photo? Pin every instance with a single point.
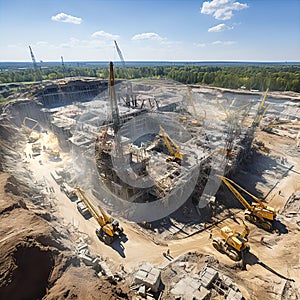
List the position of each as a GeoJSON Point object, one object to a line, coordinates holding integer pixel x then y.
{"type": "Point", "coordinates": [63, 66]}
{"type": "Point", "coordinates": [258, 213]}
{"type": "Point", "coordinates": [35, 66]}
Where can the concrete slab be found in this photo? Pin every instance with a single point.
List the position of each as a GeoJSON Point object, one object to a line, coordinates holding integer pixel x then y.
{"type": "Point", "coordinates": [207, 276]}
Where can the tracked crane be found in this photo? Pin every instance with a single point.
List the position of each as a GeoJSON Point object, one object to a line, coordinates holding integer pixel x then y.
{"type": "Point", "coordinates": [258, 213]}
{"type": "Point", "coordinates": [232, 243]}
{"type": "Point", "coordinates": [109, 227]}
{"type": "Point", "coordinates": [173, 149]}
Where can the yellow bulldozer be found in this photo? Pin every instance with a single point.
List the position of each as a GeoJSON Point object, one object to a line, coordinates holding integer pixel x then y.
{"type": "Point", "coordinates": [110, 228]}
{"type": "Point", "coordinates": [232, 243]}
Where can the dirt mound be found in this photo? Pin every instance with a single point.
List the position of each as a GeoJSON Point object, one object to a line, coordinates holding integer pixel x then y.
{"type": "Point", "coordinates": [82, 283]}
{"type": "Point", "coordinates": [29, 279]}
{"type": "Point", "coordinates": [34, 259]}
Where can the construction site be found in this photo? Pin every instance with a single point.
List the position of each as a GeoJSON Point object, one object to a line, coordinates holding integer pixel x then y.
{"type": "Point", "coordinates": [149, 189]}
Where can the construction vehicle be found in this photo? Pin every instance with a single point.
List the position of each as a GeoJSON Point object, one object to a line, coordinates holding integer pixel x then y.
{"type": "Point", "coordinates": [36, 149]}
{"type": "Point", "coordinates": [173, 149]}
{"type": "Point", "coordinates": [285, 123]}
{"type": "Point", "coordinates": [70, 192]}
{"type": "Point", "coordinates": [109, 227]}
{"type": "Point", "coordinates": [53, 154]}
{"type": "Point", "coordinates": [33, 133]}
{"type": "Point", "coordinates": [232, 243]}
{"type": "Point", "coordinates": [258, 213]}
{"type": "Point", "coordinates": [261, 146]}
{"type": "Point", "coordinates": [83, 209]}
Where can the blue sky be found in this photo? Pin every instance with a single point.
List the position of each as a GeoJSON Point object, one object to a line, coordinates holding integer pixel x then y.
{"type": "Point", "coordinates": [168, 30]}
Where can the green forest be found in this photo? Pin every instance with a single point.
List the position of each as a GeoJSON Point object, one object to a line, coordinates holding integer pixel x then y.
{"type": "Point", "coordinates": [259, 77]}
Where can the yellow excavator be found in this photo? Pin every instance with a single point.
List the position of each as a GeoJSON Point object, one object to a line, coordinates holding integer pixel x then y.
{"type": "Point", "coordinates": [257, 212]}
{"type": "Point", "coordinates": [173, 149]}
{"type": "Point", "coordinates": [109, 227]}
{"type": "Point", "coordinates": [232, 243]}
{"type": "Point", "coordinates": [33, 133]}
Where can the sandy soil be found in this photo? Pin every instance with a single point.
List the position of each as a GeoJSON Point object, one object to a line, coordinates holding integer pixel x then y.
{"type": "Point", "coordinates": [270, 265]}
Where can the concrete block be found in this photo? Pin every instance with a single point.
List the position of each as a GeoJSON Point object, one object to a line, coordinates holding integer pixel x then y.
{"type": "Point", "coordinates": [234, 295]}
{"type": "Point", "coordinates": [148, 276]}
{"type": "Point", "coordinates": [142, 291]}
{"type": "Point", "coordinates": [202, 294]}
{"type": "Point", "coordinates": [208, 275]}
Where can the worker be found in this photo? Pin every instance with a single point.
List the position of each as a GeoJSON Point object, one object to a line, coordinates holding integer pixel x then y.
{"type": "Point", "coordinates": [210, 234]}
{"type": "Point", "coordinates": [262, 240]}
{"type": "Point", "coordinates": [168, 252]}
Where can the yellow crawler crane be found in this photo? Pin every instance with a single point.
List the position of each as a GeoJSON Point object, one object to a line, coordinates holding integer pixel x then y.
{"type": "Point", "coordinates": [232, 243]}
{"type": "Point", "coordinates": [109, 227]}
{"type": "Point", "coordinates": [173, 149]}
{"type": "Point", "coordinates": [258, 213]}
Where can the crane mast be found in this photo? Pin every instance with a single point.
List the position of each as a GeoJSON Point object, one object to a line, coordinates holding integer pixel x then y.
{"type": "Point", "coordinates": [113, 99]}
{"type": "Point", "coordinates": [35, 66]}
{"type": "Point", "coordinates": [63, 66]}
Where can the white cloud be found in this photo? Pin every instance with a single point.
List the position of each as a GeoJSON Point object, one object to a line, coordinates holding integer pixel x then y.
{"type": "Point", "coordinates": [147, 36]}
{"type": "Point", "coordinates": [92, 44]}
{"type": "Point", "coordinates": [200, 45]}
{"type": "Point", "coordinates": [225, 43]}
{"type": "Point", "coordinates": [106, 35]}
{"type": "Point", "coordinates": [222, 9]}
{"type": "Point", "coordinates": [42, 43]}
{"type": "Point", "coordinates": [62, 17]}
{"type": "Point", "coordinates": [219, 28]}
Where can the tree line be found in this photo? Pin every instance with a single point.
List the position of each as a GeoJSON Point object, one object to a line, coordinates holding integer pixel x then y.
{"type": "Point", "coordinates": [259, 77]}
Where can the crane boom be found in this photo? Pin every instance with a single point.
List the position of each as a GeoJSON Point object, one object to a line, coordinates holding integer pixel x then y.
{"type": "Point", "coordinates": [81, 195]}
{"type": "Point", "coordinates": [258, 212]}
{"type": "Point", "coordinates": [169, 143]}
{"type": "Point", "coordinates": [120, 54]}
{"type": "Point", "coordinates": [262, 104]}
{"type": "Point", "coordinates": [235, 192]}
{"type": "Point", "coordinates": [113, 99]}
{"type": "Point", "coordinates": [35, 66]}
{"type": "Point", "coordinates": [192, 101]}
